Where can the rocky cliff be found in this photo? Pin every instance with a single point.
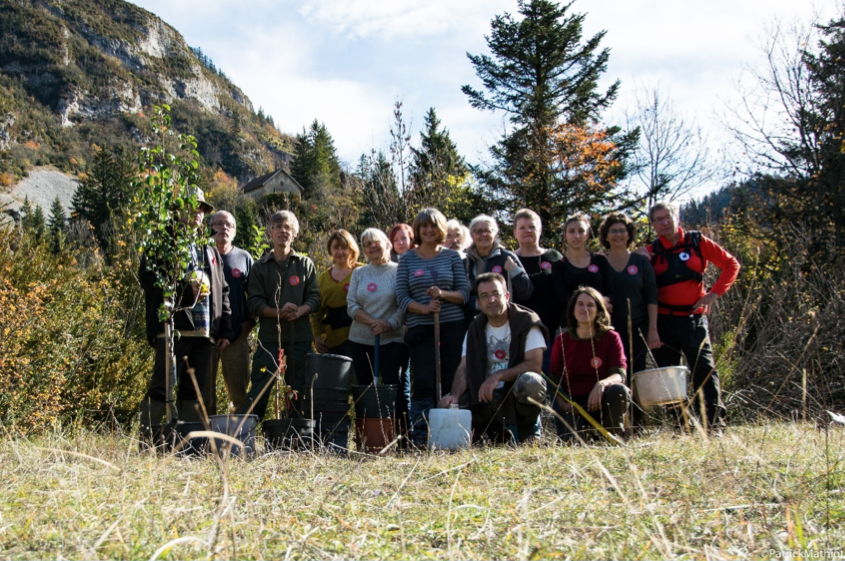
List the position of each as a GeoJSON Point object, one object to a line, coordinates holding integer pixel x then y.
{"type": "Point", "coordinates": [78, 72]}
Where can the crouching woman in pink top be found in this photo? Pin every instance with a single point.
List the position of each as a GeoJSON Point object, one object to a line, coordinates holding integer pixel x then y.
{"type": "Point", "coordinates": [588, 365]}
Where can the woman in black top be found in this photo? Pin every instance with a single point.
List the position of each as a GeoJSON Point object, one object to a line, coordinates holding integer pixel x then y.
{"type": "Point", "coordinates": [537, 262]}
{"type": "Point", "coordinates": [633, 281]}
{"type": "Point", "coordinates": [579, 267]}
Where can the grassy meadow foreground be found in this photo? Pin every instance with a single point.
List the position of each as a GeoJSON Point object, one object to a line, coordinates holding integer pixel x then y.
{"type": "Point", "coordinates": [759, 488]}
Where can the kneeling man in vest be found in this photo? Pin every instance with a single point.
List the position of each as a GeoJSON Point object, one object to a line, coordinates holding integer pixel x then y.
{"type": "Point", "coordinates": [500, 367]}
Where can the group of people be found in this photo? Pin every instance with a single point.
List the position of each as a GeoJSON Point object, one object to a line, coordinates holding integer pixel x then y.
{"type": "Point", "coordinates": [504, 332]}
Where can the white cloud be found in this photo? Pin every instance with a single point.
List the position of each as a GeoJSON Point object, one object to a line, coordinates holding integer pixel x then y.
{"type": "Point", "coordinates": [405, 19]}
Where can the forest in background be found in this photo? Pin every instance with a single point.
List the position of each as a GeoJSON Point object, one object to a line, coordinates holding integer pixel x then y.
{"type": "Point", "coordinates": [72, 346]}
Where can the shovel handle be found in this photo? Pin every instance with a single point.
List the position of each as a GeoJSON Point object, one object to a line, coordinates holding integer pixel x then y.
{"type": "Point", "coordinates": [375, 359]}
{"type": "Point", "coordinates": [437, 370]}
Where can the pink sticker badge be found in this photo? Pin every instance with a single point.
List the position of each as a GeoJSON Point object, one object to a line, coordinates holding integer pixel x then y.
{"type": "Point", "coordinates": [632, 270]}
{"type": "Point", "coordinates": [596, 362]}
{"type": "Point", "coordinates": [497, 269]}
{"type": "Point", "coordinates": [294, 280]}
{"type": "Point", "coordinates": [545, 265]}
{"type": "Point", "coordinates": [593, 268]}
{"type": "Point", "coordinates": [500, 354]}
{"type": "Point", "coordinates": [419, 273]}
{"type": "Point", "coordinates": [372, 287]}
{"type": "Point", "coordinates": [236, 273]}
{"type": "Point", "coordinates": [346, 287]}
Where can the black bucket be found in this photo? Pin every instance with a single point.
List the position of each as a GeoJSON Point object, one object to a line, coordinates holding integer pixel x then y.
{"type": "Point", "coordinates": [167, 437]}
{"type": "Point", "coordinates": [326, 398]}
{"type": "Point", "coordinates": [375, 402]}
{"type": "Point", "coordinates": [326, 371]}
{"type": "Point", "coordinates": [288, 434]}
{"type": "Point", "coordinates": [239, 427]}
{"type": "Point", "coordinates": [190, 447]}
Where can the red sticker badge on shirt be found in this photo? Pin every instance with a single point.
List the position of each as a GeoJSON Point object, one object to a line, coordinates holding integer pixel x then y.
{"type": "Point", "coordinates": [236, 273]}
{"type": "Point", "coordinates": [294, 280]}
{"type": "Point", "coordinates": [632, 270]}
{"type": "Point", "coordinates": [500, 354]}
{"type": "Point", "coordinates": [593, 268]}
{"type": "Point", "coordinates": [346, 287]}
{"type": "Point", "coordinates": [596, 362]}
{"type": "Point", "coordinates": [497, 269]}
{"type": "Point", "coordinates": [372, 287]}
{"type": "Point", "coordinates": [545, 265]}
{"type": "Point", "coordinates": [419, 273]}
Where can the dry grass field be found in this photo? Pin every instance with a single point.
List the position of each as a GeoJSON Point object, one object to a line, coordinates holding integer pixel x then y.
{"type": "Point", "coordinates": [758, 492]}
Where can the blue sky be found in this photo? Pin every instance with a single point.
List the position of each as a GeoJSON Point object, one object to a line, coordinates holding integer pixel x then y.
{"type": "Point", "coordinates": [345, 62]}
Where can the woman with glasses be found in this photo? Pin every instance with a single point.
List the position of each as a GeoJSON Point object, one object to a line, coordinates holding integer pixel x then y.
{"type": "Point", "coordinates": [487, 255]}
{"type": "Point", "coordinates": [634, 289]}
{"type": "Point", "coordinates": [375, 312]}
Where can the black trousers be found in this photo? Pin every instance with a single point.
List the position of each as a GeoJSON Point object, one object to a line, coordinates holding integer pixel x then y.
{"type": "Point", "coordinates": [423, 363]}
{"type": "Point", "coordinates": [193, 352]}
{"type": "Point", "coordinates": [636, 359]}
{"type": "Point", "coordinates": [393, 362]}
{"type": "Point", "coordinates": [614, 405]}
{"type": "Point", "coordinates": [690, 336]}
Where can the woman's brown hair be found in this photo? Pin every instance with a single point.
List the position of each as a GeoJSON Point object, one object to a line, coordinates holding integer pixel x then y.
{"type": "Point", "coordinates": [346, 241]}
{"type": "Point", "coordinates": [602, 322]}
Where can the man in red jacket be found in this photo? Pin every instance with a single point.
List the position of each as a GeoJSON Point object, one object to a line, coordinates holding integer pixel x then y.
{"type": "Point", "coordinates": [680, 259]}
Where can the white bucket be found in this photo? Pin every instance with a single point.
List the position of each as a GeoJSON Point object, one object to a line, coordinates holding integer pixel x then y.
{"type": "Point", "coordinates": [449, 429]}
{"type": "Point", "coordinates": [661, 386]}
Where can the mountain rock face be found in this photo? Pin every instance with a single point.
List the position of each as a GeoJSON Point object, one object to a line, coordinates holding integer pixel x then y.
{"type": "Point", "coordinates": [101, 64]}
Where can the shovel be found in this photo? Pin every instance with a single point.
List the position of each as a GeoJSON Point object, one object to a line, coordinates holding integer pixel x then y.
{"type": "Point", "coordinates": [437, 374]}
{"type": "Point", "coordinates": [375, 360]}
{"type": "Point", "coordinates": [290, 365]}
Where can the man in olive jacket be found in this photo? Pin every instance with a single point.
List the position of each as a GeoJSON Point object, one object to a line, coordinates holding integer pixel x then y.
{"type": "Point", "coordinates": [499, 370]}
{"type": "Point", "coordinates": [203, 323]}
{"type": "Point", "coordinates": [282, 292]}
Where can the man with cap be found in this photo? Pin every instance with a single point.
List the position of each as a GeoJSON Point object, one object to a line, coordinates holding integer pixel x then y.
{"type": "Point", "coordinates": [499, 374]}
{"type": "Point", "coordinates": [202, 320]}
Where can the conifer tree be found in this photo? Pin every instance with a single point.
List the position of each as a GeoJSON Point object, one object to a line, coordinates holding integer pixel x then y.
{"type": "Point", "coordinates": [38, 224]}
{"type": "Point", "coordinates": [103, 194]}
{"type": "Point", "coordinates": [57, 226]}
{"type": "Point", "coordinates": [315, 157]}
{"type": "Point", "coordinates": [544, 75]}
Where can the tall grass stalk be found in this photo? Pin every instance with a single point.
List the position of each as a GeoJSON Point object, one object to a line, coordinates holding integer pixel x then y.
{"type": "Point", "coordinates": [92, 495]}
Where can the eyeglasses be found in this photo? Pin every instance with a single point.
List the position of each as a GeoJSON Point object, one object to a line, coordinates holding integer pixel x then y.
{"type": "Point", "coordinates": [483, 232]}
{"type": "Point", "coordinates": [228, 225]}
{"type": "Point", "coordinates": [617, 231]}
{"type": "Point", "coordinates": [661, 219]}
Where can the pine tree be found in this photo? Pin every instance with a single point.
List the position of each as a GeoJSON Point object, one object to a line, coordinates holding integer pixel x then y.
{"type": "Point", "coordinates": [38, 225]}
{"type": "Point", "coordinates": [103, 194]}
{"type": "Point", "coordinates": [57, 226]}
{"type": "Point", "coordinates": [823, 161]}
{"type": "Point", "coordinates": [544, 76]}
{"type": "Point", "coordinates": [315, 157]}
